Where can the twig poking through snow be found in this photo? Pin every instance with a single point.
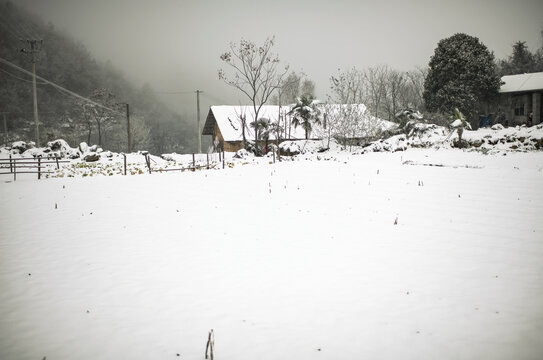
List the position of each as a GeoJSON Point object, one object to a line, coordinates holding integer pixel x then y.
{"type": "Point", "coordinates": [210, 344]}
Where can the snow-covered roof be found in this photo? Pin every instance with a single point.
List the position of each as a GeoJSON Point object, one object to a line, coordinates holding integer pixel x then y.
{"type": "Point", "coordinates": [522, 82]}
{"type": "Point", "coordinates": [228, 120]}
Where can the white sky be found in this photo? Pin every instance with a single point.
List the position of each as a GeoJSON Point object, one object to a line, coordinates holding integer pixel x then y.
{"type": "Point", "coordinates": [176, 44]}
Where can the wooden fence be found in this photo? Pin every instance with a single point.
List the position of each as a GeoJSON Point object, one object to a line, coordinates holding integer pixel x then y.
{"type": "Point", "coordinates": [193, 167]}
{"type": "Point", "coordinates": [42, 166]}
{"type": "Point", "coordinates": [28, 166]}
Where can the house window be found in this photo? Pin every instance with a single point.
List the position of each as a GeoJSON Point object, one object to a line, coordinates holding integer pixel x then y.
{"type": "Point", "coordinates": [519, 106]}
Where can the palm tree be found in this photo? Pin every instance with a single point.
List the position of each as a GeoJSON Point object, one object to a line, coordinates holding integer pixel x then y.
{"type": "Point", "coordinates": [304, 113]}
{"type": "Point", "coordinates": [262, 131]}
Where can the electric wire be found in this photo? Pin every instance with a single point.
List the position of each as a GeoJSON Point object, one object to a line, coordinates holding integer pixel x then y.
{"type": "Point", "coordinates": [58, 86]}
{"type": "Point", "coordinates": [18, 78]}
{"type": "Point", "coordinates": [173, 92]}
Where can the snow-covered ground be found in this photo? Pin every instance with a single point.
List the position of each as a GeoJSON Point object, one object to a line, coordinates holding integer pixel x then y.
{"type": "Point", "coordinates": [293, 260]}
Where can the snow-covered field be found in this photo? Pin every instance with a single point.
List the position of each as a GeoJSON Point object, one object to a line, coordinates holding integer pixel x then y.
{"type": "Point", "coordinates": [294, 260]}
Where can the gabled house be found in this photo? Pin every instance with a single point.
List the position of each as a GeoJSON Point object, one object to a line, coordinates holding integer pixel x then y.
{"type": "Point", "coordinates": [520, 99]}
{"type": "Point", "coordinates": [224, 124]}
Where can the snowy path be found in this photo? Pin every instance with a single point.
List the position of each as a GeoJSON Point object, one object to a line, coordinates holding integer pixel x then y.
{"type": "Point", "coordinates": [297, 260]}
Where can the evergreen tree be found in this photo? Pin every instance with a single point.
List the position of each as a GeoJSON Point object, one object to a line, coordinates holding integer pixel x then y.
{"type": "Point", "coordinates": [462, 74]}
{"type": "Point", "coordinates": [521, 61]}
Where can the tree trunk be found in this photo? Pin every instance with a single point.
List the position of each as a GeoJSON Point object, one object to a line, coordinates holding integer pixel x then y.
{"type": "Point", "coordinates": [243, 121]}
{"type": "Point", "coordinates": [99, 133]}
{"type": "Point", "coordinates": [89, 134]}
{"type": "Point", "coordinates": [256, 132]}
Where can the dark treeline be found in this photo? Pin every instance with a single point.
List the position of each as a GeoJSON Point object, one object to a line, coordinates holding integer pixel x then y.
{"type": "Point", "coordinates": [70, 65]}
{"type": "Point", "coordinates": [522, 60]}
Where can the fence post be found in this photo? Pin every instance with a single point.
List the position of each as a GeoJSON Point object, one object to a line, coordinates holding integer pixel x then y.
{"type": "Point", "coordinates": [14, 170]}
{"type": "Point", "coordinates": [10, 165]}
{"type": "Point", "coordinates": [124, 155]}
{"type": "Point", "coordinates": [220, 158]}
{"type": "Point", "coordinates": [207, 157]}
{"type": "Point", "coordinates": [193, 162]}
{"type": "Point", "coordinates": [223, 159]}
{"type": "Point", "coordinates": [39, 168]}
{"type": "Point", "coordinates": [148, 159]}
{"type": "Point", "coordinates": [273, 156]}
{"type": "Point", "coordinates": [56, 158]}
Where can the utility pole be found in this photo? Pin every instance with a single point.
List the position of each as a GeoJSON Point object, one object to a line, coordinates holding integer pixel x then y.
{"type": "Point", "coordinates": [198, 114]}
{"type": "Point", "coordinates": [198, 92]}
{"type": "Point", "coordinates": [35, 47]}
{"type": "Point", "coordinates": [129, 135]}
{"type": "Point", "coordinates": [128, 128]}
{"type": "Point", "coordinates": [5, 130]}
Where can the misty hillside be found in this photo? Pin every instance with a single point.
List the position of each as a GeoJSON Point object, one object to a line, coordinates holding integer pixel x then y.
{"type": "Point", "coordinates": [70, 65]}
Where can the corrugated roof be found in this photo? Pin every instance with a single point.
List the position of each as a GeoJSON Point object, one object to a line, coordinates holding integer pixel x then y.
{"type": "Point", "coordinates": [522, 82]}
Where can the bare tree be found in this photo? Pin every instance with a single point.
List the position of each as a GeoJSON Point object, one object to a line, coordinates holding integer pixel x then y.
{"type": "Point", "coordinates": [292, 87]}
{"type": "Point", "coordinates": [402, 90]}
{"type": "Point", "coordinates": [242, 118]}
{"type": "Point", "coordinates": [348, 87]}
{"type": "Point", "coordinates": [376, 80]}
{"type": "Point", "coordinates": [140, 134]}
{"type": "Point", "coordinates": [395, 93]}
{"type": "Point", "coordinates": [288, 90]}
{"type": "Point", "coordinates": [103, 116]}
{"type": "Point", "coordinates": [347, 118]}
{"type": "Point", "coordinates": [256, 72]}
{"type": "Point", "coordinates": [416, 87]}
{"type": "Point", "coordinates": [84, 121]}
{"type": "Point", "coordinates": [308, 88]}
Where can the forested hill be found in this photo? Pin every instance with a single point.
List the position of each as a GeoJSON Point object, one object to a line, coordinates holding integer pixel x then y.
{"type": "Point", "coordinates": [70, 65]}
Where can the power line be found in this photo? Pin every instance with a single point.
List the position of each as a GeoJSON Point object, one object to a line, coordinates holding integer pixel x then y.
{"type": "Point", "coordinates": [4, 61]}
{"type": "Point", "coordinates": [198, 92]}
{"type": "Point", "coordinates": [18, 78]}
{"type": "Point", "coordinates": [174, 92]}
{"type": "Point", "coordinates": [31, 112]}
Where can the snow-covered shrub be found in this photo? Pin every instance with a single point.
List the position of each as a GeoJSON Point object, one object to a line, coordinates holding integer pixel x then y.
{"type": "Point", "coordinates": [242, 154]}
{"type": "Point", "coordinates": [497, 127]}
{"type": "Point", "coordinates": [20, 147]}
{"type": "Point", "coordinates": [83, 147]}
